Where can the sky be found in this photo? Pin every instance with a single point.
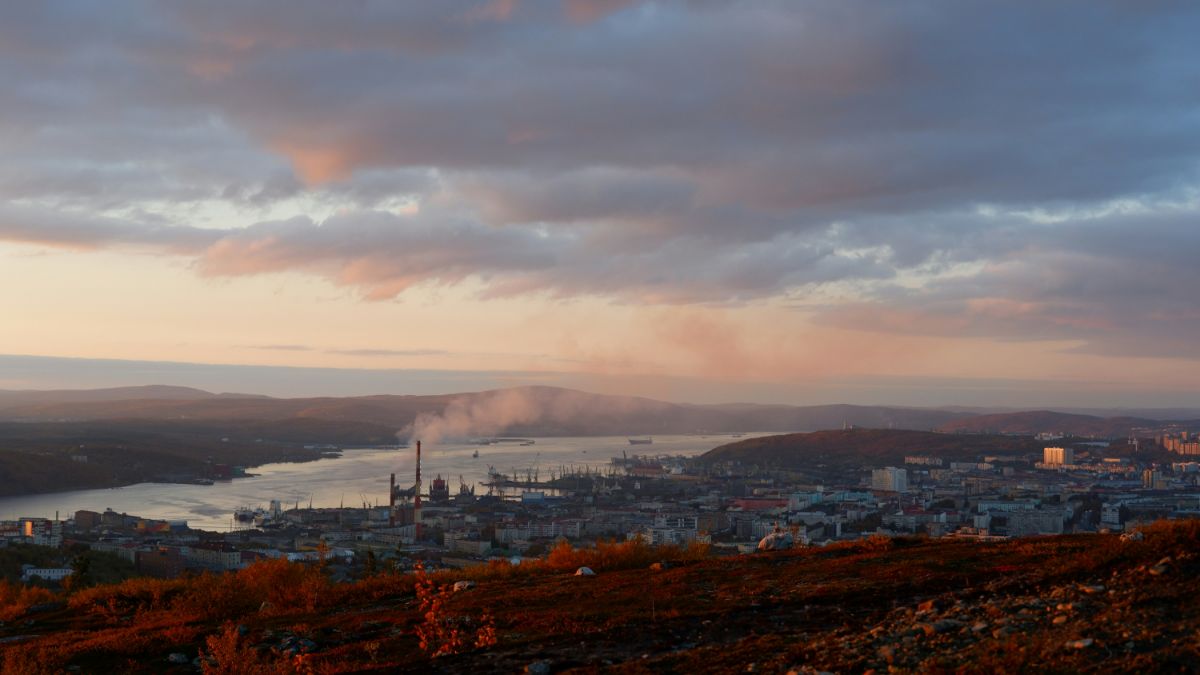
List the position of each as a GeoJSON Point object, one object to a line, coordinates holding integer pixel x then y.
{"type": "Point", "coordinates": [985, 203]}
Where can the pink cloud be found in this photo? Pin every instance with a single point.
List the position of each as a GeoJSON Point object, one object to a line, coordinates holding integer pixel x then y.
{"type": "Point", "coordinates": [587, 11]}
{"type": "Point", "coordinates": [493, 10]}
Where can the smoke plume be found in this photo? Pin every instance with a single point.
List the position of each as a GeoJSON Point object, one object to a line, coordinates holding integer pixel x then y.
{"type": "Point", "coordinates": [540, 411]}
{"type": "Point", "coordinates": [486, 414]}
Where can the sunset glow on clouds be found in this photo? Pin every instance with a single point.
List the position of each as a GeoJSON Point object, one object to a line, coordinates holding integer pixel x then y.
{"type": "Point", "coordinates": [775, 194]}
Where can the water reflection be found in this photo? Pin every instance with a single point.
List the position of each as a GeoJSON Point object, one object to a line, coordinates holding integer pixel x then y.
{"type": "Point", "coordinates": [359, 476]}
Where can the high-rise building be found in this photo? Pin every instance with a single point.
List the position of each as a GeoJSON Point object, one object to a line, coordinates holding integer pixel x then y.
{"type": "Point", "coordinates": [1058, 456]}
{"type": "Point", "coordinates": [42, 532]}
{"type": "Point", "coordinates": [1154, 479]}
{"type": "Point", "coordinates": [889, 479]}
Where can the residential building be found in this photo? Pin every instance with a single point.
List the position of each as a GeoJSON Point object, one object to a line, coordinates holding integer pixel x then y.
{"type": "Point", "coordinates": [28, 572]}
{"type": "Point", "coordinates": [42, 532]}
{"type": "Point", "coordinates": [889, 479]}
{"type": "Point", "coordinates": [1058, 456]}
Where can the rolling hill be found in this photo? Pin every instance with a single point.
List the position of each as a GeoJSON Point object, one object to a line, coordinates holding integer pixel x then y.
{"type": "Point", "coordinates": [534, 411]}
{"type": "Point", "coordinates": [1036, 421]}
{"type": "Point", "coordinates": [864, 445]}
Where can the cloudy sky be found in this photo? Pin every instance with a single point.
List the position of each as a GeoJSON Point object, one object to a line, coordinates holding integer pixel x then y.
{"type": "Point", "coordinates": [924, 202]}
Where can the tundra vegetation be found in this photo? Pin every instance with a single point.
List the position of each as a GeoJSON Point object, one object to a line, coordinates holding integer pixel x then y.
{"type": "Point", "coordinates": [1067, 603]}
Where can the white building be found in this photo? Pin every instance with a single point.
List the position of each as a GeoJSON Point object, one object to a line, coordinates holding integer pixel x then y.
{"type": "Point", "coordinates": [889, 479]}
{"type": "Point", "coordinates": [217, 557]}
{"type": "Point", "coordinates": [659, 536]}
{"type": "Point", "coordinates": [28, 572]}
{"type": "Point", "coordinates": [1058, 456]}
{"type": "Point", "coordinates": [508, 534]}
{"type": "Point", "coordinates": [923, 460]}
{"type": "Point", "coordinates": [466, 541]}
{"type": "Point", "coordinates": [1110, 515]}
{"type": "Point", "coordinates": [971, 466]}
{"type": "Point", "coordinates": [1032, 523]}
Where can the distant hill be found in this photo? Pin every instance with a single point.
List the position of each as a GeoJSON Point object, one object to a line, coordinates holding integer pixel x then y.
{"type": "Point", "coordinates": [813, 418]}
{"type": "Point", "coordinates": [536, 411]}
{"type": "Point", "coordinates": [42, 456]}
{"type": "Point", "coordinates": [540, 411]}
{"type": "Point", "coordinates": [1045, 420]}
{"type": "Point", "coordinates": [1168, 414]}
{"type": "Point", "coordinates": [864, 445]}
{"type": "Point", "coordinates": [10, 398]}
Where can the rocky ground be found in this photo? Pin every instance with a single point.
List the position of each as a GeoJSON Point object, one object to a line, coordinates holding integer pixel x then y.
{"type": "Point", "coordinates": [1093, 603]}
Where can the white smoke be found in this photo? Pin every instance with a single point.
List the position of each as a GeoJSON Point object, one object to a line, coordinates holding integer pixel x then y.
{"type": "Point", "coordinates": [549, 410]}
{"type": "Point", "coordinates": [485, 414]}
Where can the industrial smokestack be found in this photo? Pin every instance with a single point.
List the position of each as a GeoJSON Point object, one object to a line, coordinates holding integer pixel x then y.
{"type": "Point", "coordinates": [417, 498]}
{"type": "Point", "coordinates": [392, 501]}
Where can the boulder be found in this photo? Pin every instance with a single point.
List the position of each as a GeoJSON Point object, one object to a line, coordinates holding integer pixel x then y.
{"type": "Point", "coordinates": [1080, 644]}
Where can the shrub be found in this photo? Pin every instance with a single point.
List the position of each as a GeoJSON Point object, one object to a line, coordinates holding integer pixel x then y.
{"type": "Point", "coordinates": [27, 661]}
{"type": "Point", "coordinates": [442, 633]}
{"type": "Point", "coordinates": [608, 556]}
{"type": "Point", "coordinates": [225, 653]}
{"type": "Point", "coordinates": [273, 586]}
{"type": "Point", "coordinates": [128, 597]}
{"type": "Point", "coordinates": [15, 599]}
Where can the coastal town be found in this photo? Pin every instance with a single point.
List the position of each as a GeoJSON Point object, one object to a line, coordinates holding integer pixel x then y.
{"type": "Point", "coordinates": [1074, 485]}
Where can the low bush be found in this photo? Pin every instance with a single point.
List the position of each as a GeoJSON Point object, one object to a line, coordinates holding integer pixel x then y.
{"type": "Point", "coordinates": [16, 599]}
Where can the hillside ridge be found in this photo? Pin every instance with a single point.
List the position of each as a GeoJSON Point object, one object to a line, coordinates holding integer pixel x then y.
{"type": "Point", "coordinates": [1069, 603]}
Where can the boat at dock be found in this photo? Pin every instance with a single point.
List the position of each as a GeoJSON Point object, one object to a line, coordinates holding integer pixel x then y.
{"type": "Point", "coordinates": [245, 514]}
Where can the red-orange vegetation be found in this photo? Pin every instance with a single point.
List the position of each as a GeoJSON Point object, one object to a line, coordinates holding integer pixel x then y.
{"type": "Point", "coordinates": [228, 653]}
{"type": "Point", "coordinates": [914, 604]}
{"type": "Point", "coordinates": [441, 632]}
{"type": "Point", "coordinates": [16, 599]}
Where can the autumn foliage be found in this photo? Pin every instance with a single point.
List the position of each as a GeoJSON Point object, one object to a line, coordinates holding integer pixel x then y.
{"type": "Point", "coordinates": [16, 599]}
{"type": "Point", "coordinates": [441, 632]}
{"type": "Point", "coordinates": [798, 606]}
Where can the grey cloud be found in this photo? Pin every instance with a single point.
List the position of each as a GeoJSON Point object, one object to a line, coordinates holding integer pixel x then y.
{"type": "Point", "coordinates": [384, 255]}
{"type": "Point", "coordinates": [646, 151]}
{"type": "Point", "coordinates": [812, 109]}
{"type": "Point", "coordinates": [1119, 284]}
{"type": "Point", "coordinates": [73, 230]}
{"type": "Point", "coordinates": [388, 352]}
{"type": "Point", "coordinates": [380, 252]}
{"type": "Point", "coordinates": [283, 348]}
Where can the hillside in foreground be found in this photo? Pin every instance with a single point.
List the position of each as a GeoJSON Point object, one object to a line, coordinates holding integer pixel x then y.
{"type": "Point", "coordinates": [1079, 603]}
